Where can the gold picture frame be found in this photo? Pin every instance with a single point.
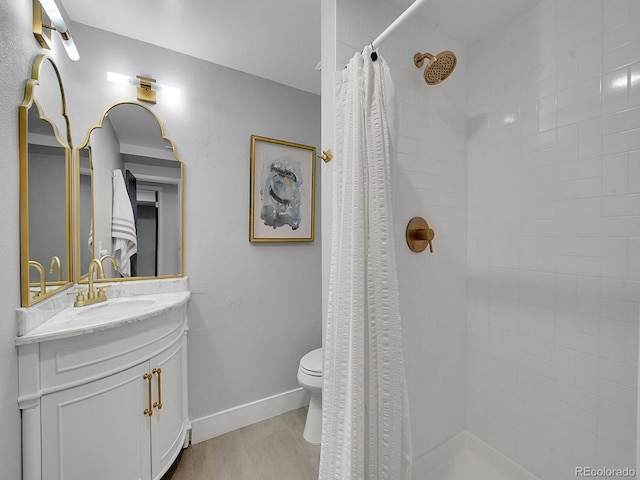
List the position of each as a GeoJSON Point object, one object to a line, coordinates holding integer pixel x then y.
{"type": "Point", "coordinates": [283, 176]}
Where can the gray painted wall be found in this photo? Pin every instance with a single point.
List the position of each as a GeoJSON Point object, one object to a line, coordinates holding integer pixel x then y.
{"type": "Point", "coordinates": [16, 57]}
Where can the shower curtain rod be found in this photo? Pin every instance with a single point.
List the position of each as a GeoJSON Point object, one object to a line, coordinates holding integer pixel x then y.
{"type": "Point", "coordinates": [408, 13]}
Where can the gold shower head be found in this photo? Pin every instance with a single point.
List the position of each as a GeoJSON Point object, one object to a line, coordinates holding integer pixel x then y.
{"type": "Point", "coordinates": [439, 67]}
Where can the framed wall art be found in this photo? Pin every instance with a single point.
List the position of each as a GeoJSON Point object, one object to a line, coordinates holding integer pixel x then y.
{"type": "Point", "coordinates": [282, 191]}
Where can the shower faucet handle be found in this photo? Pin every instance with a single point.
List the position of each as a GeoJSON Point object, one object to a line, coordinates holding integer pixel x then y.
{"type": "Point", "coordinates": [419, 235]}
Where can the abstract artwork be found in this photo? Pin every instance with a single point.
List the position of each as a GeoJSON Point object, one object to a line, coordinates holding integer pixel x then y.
{"type": "Point", "coordinates": [282, 191]}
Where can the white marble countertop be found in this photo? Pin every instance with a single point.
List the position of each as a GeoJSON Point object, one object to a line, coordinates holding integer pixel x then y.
{"type": "Point", "coordinates": [114, 312]}
{"type": "Point", "coordinates": [30, 318]}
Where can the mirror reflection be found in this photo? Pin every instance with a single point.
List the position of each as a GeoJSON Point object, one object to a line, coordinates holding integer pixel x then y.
{"type": "Point", "coordinates": [130, 195]}
{"type": "Point", "coordinates": [45, 191]}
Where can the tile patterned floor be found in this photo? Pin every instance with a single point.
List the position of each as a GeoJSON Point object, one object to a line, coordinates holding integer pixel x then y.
{"type": "Point", "coordinates": [270, 450]}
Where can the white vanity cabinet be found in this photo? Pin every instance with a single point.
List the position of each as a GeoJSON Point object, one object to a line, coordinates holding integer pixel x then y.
{"type": "Point", "coordinates": [108, 404]}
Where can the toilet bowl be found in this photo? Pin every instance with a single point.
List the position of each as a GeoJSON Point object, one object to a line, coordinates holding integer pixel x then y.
{"type": "Point", "coordinates": [310, 378]}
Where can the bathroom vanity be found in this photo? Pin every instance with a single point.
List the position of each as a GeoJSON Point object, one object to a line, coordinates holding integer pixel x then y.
{"type": "Point", "coordinates": [102, 384]}
{"type": "Point", "coordinates": [103, 390]}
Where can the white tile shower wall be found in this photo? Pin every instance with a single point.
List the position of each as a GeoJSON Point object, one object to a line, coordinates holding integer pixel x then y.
{"type": "Point", "coordinates": [429, 181]}
{"type": "Point", "coordinates": [554, 236]}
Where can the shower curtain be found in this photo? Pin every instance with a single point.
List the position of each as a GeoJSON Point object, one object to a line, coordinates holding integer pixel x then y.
{"type": "Point", "coordinates": [365, 424]}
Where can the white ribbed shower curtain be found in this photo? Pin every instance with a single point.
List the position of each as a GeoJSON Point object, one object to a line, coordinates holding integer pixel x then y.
{"type": "Point", "coordinates": [365, 427]}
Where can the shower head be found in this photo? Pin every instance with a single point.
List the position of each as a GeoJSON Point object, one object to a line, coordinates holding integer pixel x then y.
{"type": "Point", "coordinates": [439, 67]}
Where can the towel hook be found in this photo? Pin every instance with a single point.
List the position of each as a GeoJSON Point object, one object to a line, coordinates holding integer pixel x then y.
{"type": "Point", "coordinates": [327, 155]}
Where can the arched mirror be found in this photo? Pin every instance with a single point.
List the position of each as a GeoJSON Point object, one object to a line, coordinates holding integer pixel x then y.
{"type": "Point", "coordinates": [130, 184]}
{"type": "Point", "coordinates": [45, 185]}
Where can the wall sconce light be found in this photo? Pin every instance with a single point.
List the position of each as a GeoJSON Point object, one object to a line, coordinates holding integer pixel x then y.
{"type": "Point", "coordinates": [146, 87]}
{"type": "Point", "coordinates": [47, 17]}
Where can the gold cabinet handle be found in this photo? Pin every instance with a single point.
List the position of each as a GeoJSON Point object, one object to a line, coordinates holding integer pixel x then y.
{"type": "Point", "coordinates": [148, 377]}
{"type": "Point", "coordinates": [158, 404]}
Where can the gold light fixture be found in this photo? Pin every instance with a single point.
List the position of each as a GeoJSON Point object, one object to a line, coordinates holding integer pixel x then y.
{"type": "Point", "coordinates": [46, 18]}
{"type": "Point", "coordinates": [146, 87]}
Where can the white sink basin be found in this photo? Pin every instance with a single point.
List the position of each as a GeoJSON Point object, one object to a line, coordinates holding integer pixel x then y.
{"type": "Point", "coordinates": [117, 307]}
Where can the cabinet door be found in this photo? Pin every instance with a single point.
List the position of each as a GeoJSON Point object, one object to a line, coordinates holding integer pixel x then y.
{"type": "Point", "coordinates": [98, 431]}
{"type": "Point", "coordinates": [168, 424]}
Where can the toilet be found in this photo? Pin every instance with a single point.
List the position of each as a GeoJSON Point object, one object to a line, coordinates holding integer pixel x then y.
{"type": "Point", "coordinates": [310, 378]}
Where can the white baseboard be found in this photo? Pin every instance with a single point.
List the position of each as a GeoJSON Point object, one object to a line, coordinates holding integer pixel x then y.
{"type": "Point", "coordinates": [226, 421]}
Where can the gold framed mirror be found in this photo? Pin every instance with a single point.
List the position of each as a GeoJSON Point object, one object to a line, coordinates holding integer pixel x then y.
{"type": "Point", "coordinates": [45, 185]}
{"type": "Point", "coordinates": [130, 184]}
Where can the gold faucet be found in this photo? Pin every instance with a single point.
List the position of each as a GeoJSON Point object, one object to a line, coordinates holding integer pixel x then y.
{"type": "Point", "coordinates": [92, 297]}
{"type": "Point", "coordinates": [38, 266]}
{"type": "Point", "coordinates": [113, 261]}
{"type": "Point", "coordinates": [55, 262]}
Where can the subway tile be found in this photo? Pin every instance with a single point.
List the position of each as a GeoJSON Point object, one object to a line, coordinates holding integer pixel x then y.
{"type": "Point", "coordinates": [615, 90]}
{"type": "Point", "coordinates": [545, 320]}
{"type": "Point", "coordinates": [618, 372]}
{"type": "Point", "coordinates": [579, 112]}
{"type": "Point", "coordinates": [577, 341]}
{"type": "Point", "coordinates": [614, 257]}
{"type": "Point", "coordinates": [612, 336]}
{"type": "Point", "coordinates": [578, 417]}
{"type": "Point", "coordinates": [622, 35]}
{"type": "Point", "coordinates": [566, 292]}
{"type": "Point", "coordinates": [633, 272]}
{"type": "Point", "coordinates": [540, 141]}
{"type": "Point", "coordinates": [621, 121]}
{"type": "Point", "coordinates": [634, 172]}
{"type": "Point", "coordinates": [634, 11]}
{"type": "Point", "coordinates": [575, 145]}
{"type": "Point", "coordinates": [580, 188]}
{"type": "Point", "coordinates": [621, 205]}
{"type": "Point", "coordinates": [524, 451]}
{"type": "Point", "coordinates": [617, 289]}
{"type": "Point", "coordinates": [615, 174]}
{"type": "Point", "coordinates": [579, 94]}
{"type": "Point", "coordinates": [621, 310]}
{"type": "Point", "coordinates": [567, 149]}
{"type": "Point", "coordinates": [590, 60]}
{"type": "Point", "coordinates": [621, 395]}
{"type": "Point", "coordinates": [585, 447]}
{"type": "Point", "coordinates": [542, 455]}
{"type": "Point", "coordinates": [588, 295]}
{"type": "Point", "coordinates": [546, 110]}
{"type": "Point", "coordinates": [564, 365]}
{"type": "Point", "coordinates": [634, 84]}
{"type": "Point", "coordinates": [563, 438]}
{"type": "Point", "coordinates": [630, 344]}
{"type": "Point", "coordinates": [576, 322]}
{"type": "Point", "coordinates": [575, 397]}
{"type": "Point", "coordinates": [615, 14]}
{"type": "Point", "coordinates": [611, 454]}
{"type": "Point", "coordinates": [616, 424]}
{"type": "Point", "coordinates": [621, 56]}
{"type": "Point", "coordinates": [626, 226]}
{"type": "Point", "coordinates": [586, 372]}
{"type": "Point", "coordinates": [581, 169]}
{"type": "Point", "coordinates": [535, 422]}
{"type": "Point", "coordinates": [590, 138]}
